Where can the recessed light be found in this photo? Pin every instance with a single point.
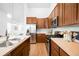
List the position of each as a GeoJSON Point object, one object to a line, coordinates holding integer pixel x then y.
{"type": "Point", "coordinates": [9, 15]}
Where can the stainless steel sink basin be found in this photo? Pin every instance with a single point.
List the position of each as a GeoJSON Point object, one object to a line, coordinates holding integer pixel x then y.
{"type": "Point", "coordinates": [4, 44]}
{"type": "Point", "coordinates": [10, 42]}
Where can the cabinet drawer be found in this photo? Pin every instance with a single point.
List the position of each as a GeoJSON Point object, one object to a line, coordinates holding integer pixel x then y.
{"type": "Point", "coordinates": [54, 46]}
{"type": "Point", "coordinates": [63, 53]}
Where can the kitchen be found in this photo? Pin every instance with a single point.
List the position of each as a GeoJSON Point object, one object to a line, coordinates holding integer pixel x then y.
{"type": "Point", "coordinates": [39, 29]}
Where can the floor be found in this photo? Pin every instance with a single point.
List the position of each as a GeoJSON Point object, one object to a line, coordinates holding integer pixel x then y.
{"type": "Point", "coordinates": [38, 49]}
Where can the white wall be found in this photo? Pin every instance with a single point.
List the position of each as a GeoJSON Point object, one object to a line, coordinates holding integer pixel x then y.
{"type": "Point", "coordinates": [41, 12]}
{"type": "Point", "coordinates": [20, 12]}
{"type": "Point", "coordinates": [4, 10]}
{"type": "Point", "coordinates": [38, 12]}
{"type": "Point", "coordinates": [17, 11]}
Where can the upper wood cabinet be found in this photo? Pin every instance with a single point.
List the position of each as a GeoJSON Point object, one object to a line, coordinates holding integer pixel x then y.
{"type": "Point", "coordinates": [61, 14]}
{"type": "Point", "coordinates": [49, 23]}
{"type": "Point", "coordinates": [31, 20]}
{"type": "Point", "coordinates": [40, 23]}
{"type": "Point", "coordinates": [56, 11]}
{"type": "Point", "coordinates": [69, 13]}
{"type": "Point", "coordinates": [46, 23]}
{"type": "Point", "coordinates": [78, 13]}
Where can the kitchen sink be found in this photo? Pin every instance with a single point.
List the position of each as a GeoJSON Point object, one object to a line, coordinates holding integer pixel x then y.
{"type": "Point", "coordinates": [5, 44]}
{"type": "Point", "coordinates": [11, 41]}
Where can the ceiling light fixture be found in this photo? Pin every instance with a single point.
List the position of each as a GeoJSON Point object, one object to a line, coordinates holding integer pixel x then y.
{"type": "Point", "coordinates": [9, 15]}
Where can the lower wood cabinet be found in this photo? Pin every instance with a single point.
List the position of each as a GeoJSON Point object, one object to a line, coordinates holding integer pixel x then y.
{"type": "Point", "coordinates": [41, 38]}
{"type": "Point", "coordinates": [63, 53]}
{"type": "Point", "coordinates": [21, 50]}
{"type": "Point", "coordinates": [56, 50]}
{"type": "Point", "coordinates": [54, 53]}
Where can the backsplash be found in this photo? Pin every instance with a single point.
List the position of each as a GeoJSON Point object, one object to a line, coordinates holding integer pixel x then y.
{"type": "Point", "coordinates": [67, 28]}
{"type": "Point", "coordinates": [67, 31]}
{"type": "Point", "coordinates": [43, 30]}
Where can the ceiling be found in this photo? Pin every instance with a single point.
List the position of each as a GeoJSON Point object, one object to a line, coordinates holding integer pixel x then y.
{"type": "Point", "coordinates": [39, 5]}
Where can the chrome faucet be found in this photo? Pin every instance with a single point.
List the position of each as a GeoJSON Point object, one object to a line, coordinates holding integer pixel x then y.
{"type": "Point", "coordinates": [7, 36]}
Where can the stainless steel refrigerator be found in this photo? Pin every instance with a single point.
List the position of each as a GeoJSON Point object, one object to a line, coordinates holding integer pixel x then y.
{"type": "Point", "coordinates": [33, 33]}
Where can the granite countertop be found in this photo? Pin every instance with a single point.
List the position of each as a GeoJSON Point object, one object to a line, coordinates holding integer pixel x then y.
{"type": "Point", "coordinates": [71, 48]}
{"type": "Point", "coordinates": [7, 49]}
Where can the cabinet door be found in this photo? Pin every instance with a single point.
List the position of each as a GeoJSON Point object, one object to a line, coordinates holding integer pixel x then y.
{"type": "Point", "coordinates": [31, 20]}
{"type": "Point", "coordinates": [74, 13]}
{"type": "Point", "coordinates": [56, 10]}
{"type": "Point", "coordinates": [26, 47]}
{"type": "Point", "coordinates": [49, 23]}
{"type": "Point", "coordinates": [78, 13]}
{"type": "Point", "coordinates": [22, 50]}
{"type": "Point", "coordinates": [63, 53]}
{"type": "Point", "coordinates": [46, 23]}
{"type": "Point", "coordinates": [17, 51]}
{"type": "Point", "coordinates": [34, 20]}
{"type": "Point", "coordinates": [41, 38]}
{"type": "Point", "coordinates": [54, 49]}
{"type": "Point", "coordinates": [69, 13]}
{"type": "Point", "coordinates": [40, 23]}
{"type": "Point", "coordinates": [61, 14]}
{"type": "Point", "coordinates": [28, 20]}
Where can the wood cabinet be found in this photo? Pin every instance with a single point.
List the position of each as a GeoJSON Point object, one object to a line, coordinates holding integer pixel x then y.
{"type": "Point", "coordinates": [78, 13]}
{"type": "Point", "coordinates": [40, 23]}
{"type": "Point", "coordinates": [31, 20]}
{"type": "Point", "coordinates": [69, 13]}
{"type": "Point", "coordinates": [46, 23]}
{"type": "Point", "coordinates": [51, 15]}
{"type": "Point", "coordinates": [21, 50]}
{"type": "Point", "coordinates": [63, 53]}
{"type": "Point", "coordinates": [26, 47]}
{"type": "Point", "coordinates": [49, 23]}
{"type": "Point", "coordinates": [56, 11]}
{"type": "Point", "coordinates": [61, 14]}
{"type": "Point", "coordinates": [56, 50]}
{"type": "Point", "coordinates": [41, 38]}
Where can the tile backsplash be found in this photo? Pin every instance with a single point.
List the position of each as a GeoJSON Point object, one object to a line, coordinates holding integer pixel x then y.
{"type": "Point", "coordinates": [67, 28]}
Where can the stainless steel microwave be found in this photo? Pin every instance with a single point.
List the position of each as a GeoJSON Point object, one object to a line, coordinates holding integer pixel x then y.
{"type": "Point", "coordinates": [55, 22]}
